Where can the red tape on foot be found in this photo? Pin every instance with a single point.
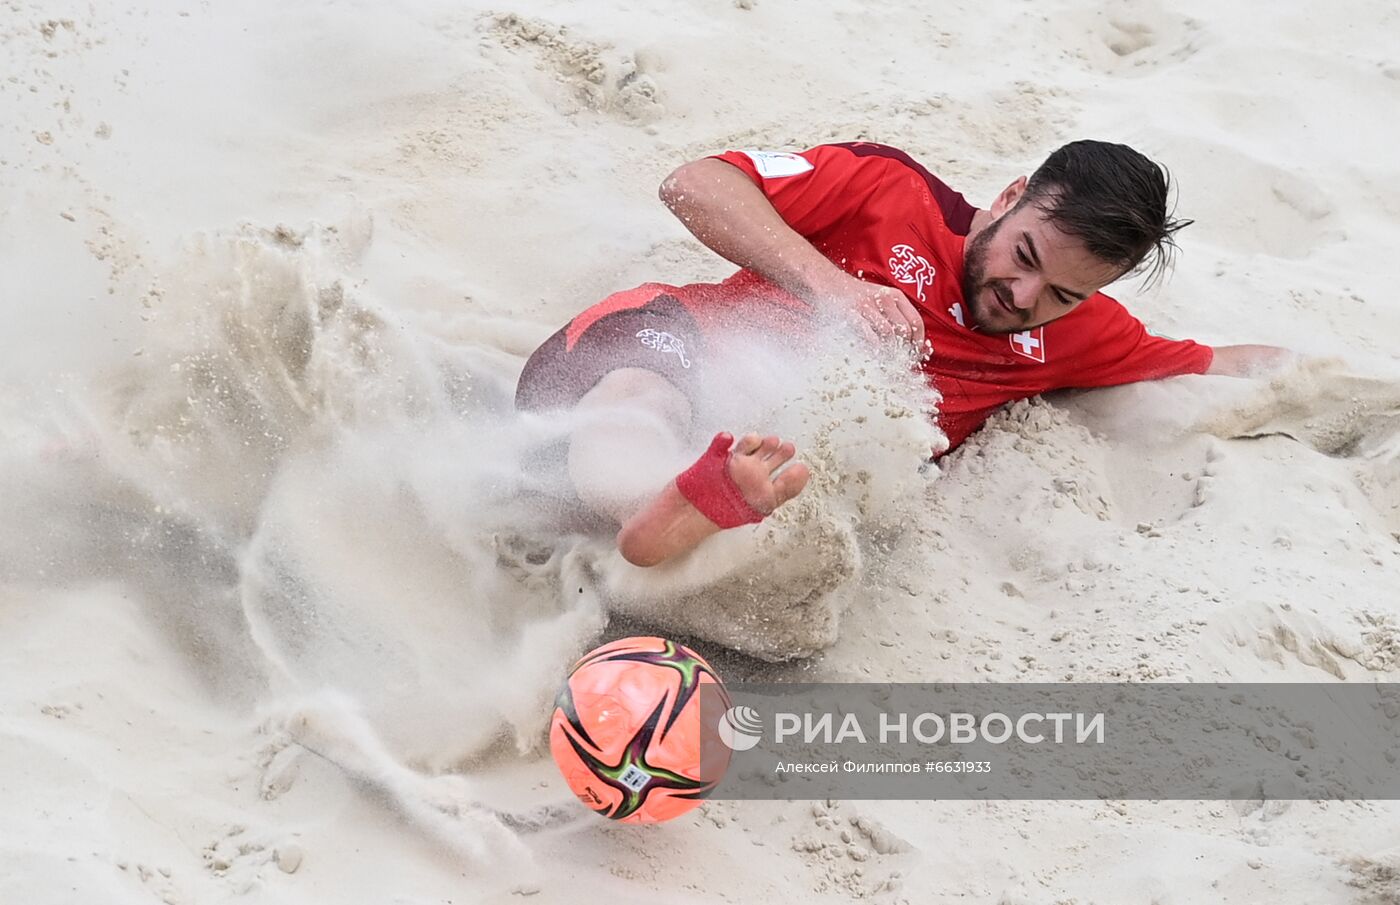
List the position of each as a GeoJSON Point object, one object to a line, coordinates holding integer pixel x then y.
{"type": "Point", "coordinates": [707, 486]}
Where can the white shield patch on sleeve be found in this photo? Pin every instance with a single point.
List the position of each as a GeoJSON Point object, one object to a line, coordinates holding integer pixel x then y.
{"type": "Point", "coordinates": [771, 164]}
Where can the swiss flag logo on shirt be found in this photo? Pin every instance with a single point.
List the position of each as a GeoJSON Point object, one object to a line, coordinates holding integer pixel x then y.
{"type": "Point", "coordinates": [1029, 343]}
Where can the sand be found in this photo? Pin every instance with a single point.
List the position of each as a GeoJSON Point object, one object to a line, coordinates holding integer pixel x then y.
{"type": "Point", "coordinates": [281, 615]}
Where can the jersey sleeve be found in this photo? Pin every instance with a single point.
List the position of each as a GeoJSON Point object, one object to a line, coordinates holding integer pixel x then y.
{"type": "Point", "coordinates": [1126, 352]}
{"type": "Point", "coordinates": [814, 191]}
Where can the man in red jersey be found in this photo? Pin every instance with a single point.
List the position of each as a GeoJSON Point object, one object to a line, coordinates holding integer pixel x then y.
{"type": "Point", "coordinates": [1004, 303]}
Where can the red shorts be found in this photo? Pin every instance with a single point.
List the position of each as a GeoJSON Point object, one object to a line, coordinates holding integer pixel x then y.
{"type": "Point", "coordinates": [639, 328]}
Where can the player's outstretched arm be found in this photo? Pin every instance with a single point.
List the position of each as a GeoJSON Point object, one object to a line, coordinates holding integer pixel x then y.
{"type": "Point", "coordinates": [1251, 360]}
{"type": "Point", "coordinates": [719, 204]}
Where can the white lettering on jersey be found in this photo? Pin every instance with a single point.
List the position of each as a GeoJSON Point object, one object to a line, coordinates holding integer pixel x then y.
{"type": "Point", "coordinates": [956, 311]}
{"type": "Point", "coordinates": [772, 164]}
{"type": "Point", "coordinates": [1030, 343]}
{"type": "Point", "coordinates": [908, 267]}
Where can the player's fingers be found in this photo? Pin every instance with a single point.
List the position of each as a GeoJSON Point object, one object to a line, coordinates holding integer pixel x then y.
{"type": "Point", "coordinates": [862, 326]}
{"type": "Point", "coordinates": [902, 317]}
{"type": "Point", "coordinates": [767, 447]}
{"type": "Point", "coordinates": [876, 311]}
{"type": "Point", "coordinates": [897, 322]}
{"type": "Point", "coordinates": [876, 318]}
{"type": "Point", "coordinates": [912, 318]}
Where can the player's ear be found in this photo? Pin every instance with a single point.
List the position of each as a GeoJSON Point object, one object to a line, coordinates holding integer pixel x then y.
{"type": "Point", "coordinates": [1008, 197]}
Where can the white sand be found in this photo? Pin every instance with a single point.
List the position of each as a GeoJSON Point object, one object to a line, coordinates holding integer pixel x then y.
{"type": "Point", "coordinates": [242, 465]}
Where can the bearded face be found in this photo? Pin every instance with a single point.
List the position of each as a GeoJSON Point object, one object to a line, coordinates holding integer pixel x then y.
{"type": "Point", "coordinates": [1021, 271]}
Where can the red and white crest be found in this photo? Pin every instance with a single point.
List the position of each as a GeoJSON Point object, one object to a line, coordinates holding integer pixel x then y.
{"type": "Point", "coordinates": [908, 266]}
{"type": "Point", "coordinates": [1030, 343]}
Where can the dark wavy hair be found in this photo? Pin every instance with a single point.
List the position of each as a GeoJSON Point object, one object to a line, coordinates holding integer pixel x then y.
{"type": "Point", "coordinates": [1114, 200]}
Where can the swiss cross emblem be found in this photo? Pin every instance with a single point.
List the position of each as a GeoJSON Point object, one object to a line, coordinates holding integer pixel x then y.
{"type": "Point", "coordinates": [1030, 343]}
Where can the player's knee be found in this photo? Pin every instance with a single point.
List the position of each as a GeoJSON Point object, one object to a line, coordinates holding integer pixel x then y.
{"type": "Point", "coordinates": [625, 386]}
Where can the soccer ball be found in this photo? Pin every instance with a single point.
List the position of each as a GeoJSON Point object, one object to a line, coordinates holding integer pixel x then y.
{"type": "Point", "coordinates": [626, 731]}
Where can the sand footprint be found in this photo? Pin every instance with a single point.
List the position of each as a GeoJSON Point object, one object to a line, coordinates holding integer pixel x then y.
{"type": "Point", "coordinates": [1130, 37]}
{"type": "Point", "coordinates": [1143, 36]}
{"type": "Point", "coordinates": [592, 75]}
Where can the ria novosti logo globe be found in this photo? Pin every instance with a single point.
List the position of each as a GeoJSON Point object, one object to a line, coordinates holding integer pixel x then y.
{"type": "Point", "coordinates": [740, 727]}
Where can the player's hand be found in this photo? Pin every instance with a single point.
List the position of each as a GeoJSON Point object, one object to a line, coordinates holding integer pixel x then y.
{"type": "Point", "coordinates": [1252, 360]}
{"type": "Point", "coordinates": [881, 312]}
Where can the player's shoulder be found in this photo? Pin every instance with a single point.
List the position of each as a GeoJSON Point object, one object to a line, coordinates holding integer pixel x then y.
{"type": "Point", "coordinates": [953, 208]}
{"type": "Point", "coordinates": [866, 155]}
{"type": "Point", "coordinates": [875, 154]}
{"type": "Point", "coordinates": [1097, 310]}
{"type": "Point", "coordinates": [1096, 330]}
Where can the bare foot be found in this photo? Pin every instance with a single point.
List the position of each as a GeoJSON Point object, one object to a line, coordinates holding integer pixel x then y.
{"type": "Point", "coordinates": [752, 464]}
{"type": "Point", "coordinates": [670, 525]}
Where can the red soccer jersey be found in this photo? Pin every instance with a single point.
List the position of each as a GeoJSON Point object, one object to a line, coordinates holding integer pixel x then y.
{"type": "Point", "coordinates": [877, 214]}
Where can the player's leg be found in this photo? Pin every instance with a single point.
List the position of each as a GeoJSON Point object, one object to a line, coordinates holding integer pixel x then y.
{"type": "Point", "coordinates": [632, 430]}
{"type": "Point", "coordinates": [628, 375]}
{"type": "Point", "coordinates": [629, 440]}
{"type": "Point", "coordinates": [702, 500]}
